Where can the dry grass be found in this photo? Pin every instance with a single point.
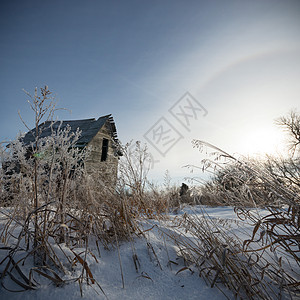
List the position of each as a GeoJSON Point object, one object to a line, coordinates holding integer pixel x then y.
{"type": "Point", "coordinates": [77, 212]}
{"type": "Point", "coordinates": [266, 264]}
{"type": "Point", "coordinates": [223, 259]}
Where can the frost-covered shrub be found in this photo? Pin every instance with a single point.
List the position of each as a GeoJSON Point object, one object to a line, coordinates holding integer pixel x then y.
{"type": "Point", "coordinates": [50, 203]}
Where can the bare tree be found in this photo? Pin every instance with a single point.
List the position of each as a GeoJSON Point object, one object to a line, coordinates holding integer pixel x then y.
{"type": "Point", "coordinates": [291, 123]}
{"type": "Point", "coordinates": [43, 106]}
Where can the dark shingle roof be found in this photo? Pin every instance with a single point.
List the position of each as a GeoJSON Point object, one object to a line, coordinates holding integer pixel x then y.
{"type": "Point", "coordinates": [88, 128]}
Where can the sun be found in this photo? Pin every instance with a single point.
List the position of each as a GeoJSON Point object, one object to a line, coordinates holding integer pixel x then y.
{"type": "Point", "coordinates": [261, 141]}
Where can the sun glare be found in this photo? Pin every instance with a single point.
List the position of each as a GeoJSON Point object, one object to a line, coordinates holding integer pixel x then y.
{"type": "Point", "coordinates": [262, 141]}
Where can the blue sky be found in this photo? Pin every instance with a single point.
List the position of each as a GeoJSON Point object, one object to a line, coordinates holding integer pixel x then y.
{"type": "Point", "coordinates": [239, 59]}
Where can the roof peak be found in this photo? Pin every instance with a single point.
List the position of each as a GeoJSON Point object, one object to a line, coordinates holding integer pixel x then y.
{"type": "Point", "coordinates": [76, 120]}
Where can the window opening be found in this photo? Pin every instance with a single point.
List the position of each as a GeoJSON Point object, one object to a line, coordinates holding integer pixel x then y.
{"type": "Point", "coordinates": [104, 149]}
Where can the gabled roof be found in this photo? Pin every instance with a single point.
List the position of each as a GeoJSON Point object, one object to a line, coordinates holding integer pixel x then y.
{"type": "Point", "coordinates": [88, 128]}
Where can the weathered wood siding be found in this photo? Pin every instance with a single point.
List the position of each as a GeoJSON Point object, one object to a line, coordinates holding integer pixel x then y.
{"type": "Point", "coordinates": [106, 169]}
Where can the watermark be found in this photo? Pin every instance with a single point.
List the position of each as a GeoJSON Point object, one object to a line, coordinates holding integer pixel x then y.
{"type": "Point", "coordinates": [163, 135]}
{"type": "Point", "coordinates": [186, 110]}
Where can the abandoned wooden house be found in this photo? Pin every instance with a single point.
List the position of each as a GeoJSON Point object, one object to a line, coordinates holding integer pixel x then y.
{"type": "Point", "coordinates": [99, 136]}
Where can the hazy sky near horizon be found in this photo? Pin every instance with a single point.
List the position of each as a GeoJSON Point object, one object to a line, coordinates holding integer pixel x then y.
{"type": "Point", "coordinates": [240, 60]}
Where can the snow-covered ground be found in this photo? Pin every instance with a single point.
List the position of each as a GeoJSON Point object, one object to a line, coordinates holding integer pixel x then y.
{"type": "Point", "coordinates": [160, 272]}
